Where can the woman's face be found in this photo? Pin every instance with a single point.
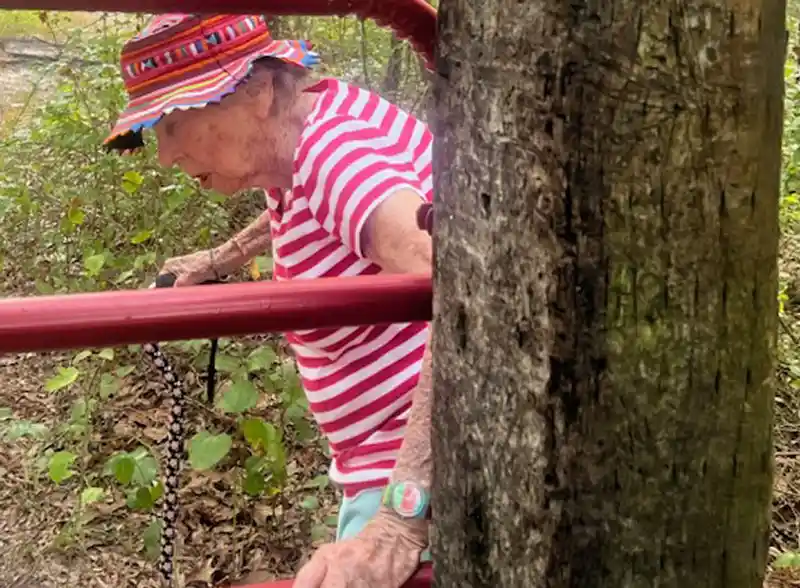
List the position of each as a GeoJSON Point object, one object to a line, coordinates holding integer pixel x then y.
{"type": "Point", "coordinates": [228, 147]}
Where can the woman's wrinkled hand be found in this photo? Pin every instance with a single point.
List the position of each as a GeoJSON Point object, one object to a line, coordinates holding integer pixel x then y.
{"type": "Point", "coordinates": [194, 268]}
{"type": "Point", "coordinates": [385, 554]}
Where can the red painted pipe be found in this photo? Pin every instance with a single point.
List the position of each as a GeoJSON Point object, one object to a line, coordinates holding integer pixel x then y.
{"type": "Point", "coordinates": [414, 20]}
{"type": "Point", "coordinates": [422, 579]}
{"type": "Point", "coordinates": [106, 319]}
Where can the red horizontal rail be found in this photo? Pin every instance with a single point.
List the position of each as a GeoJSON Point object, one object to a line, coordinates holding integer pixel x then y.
{"type": "Point", "coordinates": [422, 579]}
{"type": "Point", "coordinates": [106, 319]}
{"type": "Point", "coordinates": [414, 20]}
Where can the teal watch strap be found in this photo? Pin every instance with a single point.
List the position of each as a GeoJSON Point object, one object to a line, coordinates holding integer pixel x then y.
{"type": "Point", "coordinates": [408, 500]}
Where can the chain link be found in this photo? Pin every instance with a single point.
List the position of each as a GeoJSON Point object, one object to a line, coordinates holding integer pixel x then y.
{"type": "Point", "coordinates": [176, 393]}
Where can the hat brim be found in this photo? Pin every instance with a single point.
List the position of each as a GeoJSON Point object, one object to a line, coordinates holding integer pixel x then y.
{"type": "Point", "coordinates": [199, 91]}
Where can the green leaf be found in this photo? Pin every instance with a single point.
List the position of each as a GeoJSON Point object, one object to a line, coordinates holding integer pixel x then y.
{"type": "Point", "coordinates": [137, 468]}
{"type": "Point", "coordinates": [76, 216]}
{"type": "Point", "coordinates": [262, 359]}
{"type": "Point", "coordinates": [122, 466]}
{"type": "Point", "coordinates": [295, 413]}
{"type": "Point", "coordinates": [156, 491]}
{"type": "Point", "coordinates": [310, 503]}
{"type": "Point", "coordinates": [141, 237]}
{"type": "Point", "coordinates": [260, 434]}
{"type": "Point", "coordinates": [145, 260]}
{"type": "Point", "coordinates": [63, 379]}
{"type": "Point", "coordinates": [264, 264]}
{"type": "Point", "coordinates": [60, 467]}
{"type": "Point", "coordinates": [140, 499]}
{"type": "Point", "coordinates": [207, 450]}
{"type": "Point", "coordinates": [107, 354]}
{"type": "Point", "coordinates": [255, 463]}
{"type": "Point", "coordinates": [125, 370]}
{"type": "Point", "coordinates": [146, 468]}
{"type": "Point", "coordinates": [81, 356]}
{"type": "Point", "coordinates": [94, 263]}
{"type": "Point", "coordinates": [6, 414]}
{"type": "Point", "coordinates": [789, 559]}
{"type": "Point", "coordinates": [227, 363]}
{"type": "Point", "coordinates": [44, 287]}
{"type": "Point", "coordinates": [254, 483]}
{"type": "Point", "coordinates": [123, 277]}
{"type": "Point", "coordinates": [20, 429]}
{"type": "Point", "coordinates": [81, 409]}
{"type": "Point", "coordinates": [239, 398]}
{"type": "Point", "coordinates": [109, 385]}
{"type": "Point", "coordinates": [91, 495]}
{"type": "Point", "coordinates": [131, 181]}
{"type": "Point", "coordinates": [152, 538]}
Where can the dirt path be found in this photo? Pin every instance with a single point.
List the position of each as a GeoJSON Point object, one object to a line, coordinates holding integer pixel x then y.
{"type": "Point", "coordinates": [22, 68]}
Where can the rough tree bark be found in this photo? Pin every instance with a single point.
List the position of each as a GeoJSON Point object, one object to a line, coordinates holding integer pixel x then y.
{"type": "Point", "coordinates": [394, 68]}
{"type": "Point", "coordinates": [605, 291]}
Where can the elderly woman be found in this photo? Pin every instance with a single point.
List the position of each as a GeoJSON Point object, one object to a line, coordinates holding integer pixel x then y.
{"type": "Point", "coordinates": [345, 173]}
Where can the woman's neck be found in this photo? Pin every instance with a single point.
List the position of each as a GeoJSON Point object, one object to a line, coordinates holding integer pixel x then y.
{"type": "Point", "coordinates": [288, 135]}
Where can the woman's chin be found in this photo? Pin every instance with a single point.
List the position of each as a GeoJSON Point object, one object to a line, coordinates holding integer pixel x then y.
{"type": "Point", "coordinates": [229, 188]}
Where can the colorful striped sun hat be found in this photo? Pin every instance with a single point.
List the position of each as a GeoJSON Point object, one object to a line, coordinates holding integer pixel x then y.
{"type": "Point", "coordinates": [184, 61]}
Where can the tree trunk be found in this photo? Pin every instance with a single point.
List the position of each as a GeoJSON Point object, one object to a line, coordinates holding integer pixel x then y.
{"type": "Point", "coordinates": [394, 69]}
{"type": "Point", "coordinates": [607, 180]}
{"type": "Point", "coordinates": [275, 28]}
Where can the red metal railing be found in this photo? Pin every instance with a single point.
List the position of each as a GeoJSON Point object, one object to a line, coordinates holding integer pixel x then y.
{"type": "Point", "coordinates": [414, 20]}
{"type": "Point", "coordinates": [422, 579]}
{"type": "Point", "coordinates": [106, 319]}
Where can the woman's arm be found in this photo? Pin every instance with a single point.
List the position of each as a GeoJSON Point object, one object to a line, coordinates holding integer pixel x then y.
{"type": "Point", "coordinates": [251, 242]}
{"type": "Point", "coordinates": [392, 239]}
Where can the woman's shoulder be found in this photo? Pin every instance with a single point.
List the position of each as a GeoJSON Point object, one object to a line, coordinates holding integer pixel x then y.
{"type": "Point", "coordinates": [343, 102]}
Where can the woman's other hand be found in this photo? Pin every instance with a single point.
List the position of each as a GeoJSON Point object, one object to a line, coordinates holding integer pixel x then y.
{"type": "Point", "coordinates": [385, 554]}
{"type": "Point", "coordinates": [194, 268]}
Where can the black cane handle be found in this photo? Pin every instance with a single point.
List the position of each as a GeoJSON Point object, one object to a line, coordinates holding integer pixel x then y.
{"type": "Point", "coordinates": [168, 279]}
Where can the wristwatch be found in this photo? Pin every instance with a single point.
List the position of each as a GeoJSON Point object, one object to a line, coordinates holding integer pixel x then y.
{"type": "Point", "coordinates": [408, 500]}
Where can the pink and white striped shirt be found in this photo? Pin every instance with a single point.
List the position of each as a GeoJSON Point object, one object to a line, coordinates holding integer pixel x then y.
{"type": "Point", "coordinates": [356, 149]}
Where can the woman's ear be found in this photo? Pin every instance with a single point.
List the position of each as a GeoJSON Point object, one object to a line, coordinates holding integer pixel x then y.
{"type": "Point", "coordinates": [255, 94]}
{"type": "Point", "coordinates": [264, 98]}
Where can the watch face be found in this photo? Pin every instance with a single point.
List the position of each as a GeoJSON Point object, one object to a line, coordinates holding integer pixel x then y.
{"type": "Point", "coordinates": [408, 500]}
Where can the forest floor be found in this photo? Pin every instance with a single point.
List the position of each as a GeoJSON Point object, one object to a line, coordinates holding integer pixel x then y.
{"type": "Point", "coordinates": [221, 538]}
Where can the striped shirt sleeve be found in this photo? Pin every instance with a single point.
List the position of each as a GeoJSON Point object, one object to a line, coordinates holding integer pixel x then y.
{"type": "Point", "coordinates": [347, 167]}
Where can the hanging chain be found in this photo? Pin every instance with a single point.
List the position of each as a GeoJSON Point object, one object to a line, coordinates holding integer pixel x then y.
{"type": "Point", "coordinates": [174, 458]}
{"type": "Point", "coordinates": [175, 440]}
